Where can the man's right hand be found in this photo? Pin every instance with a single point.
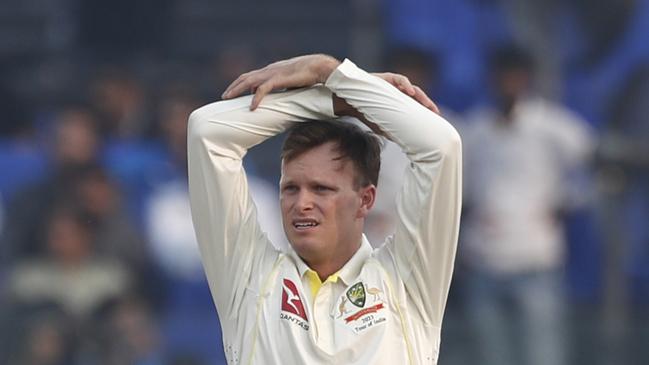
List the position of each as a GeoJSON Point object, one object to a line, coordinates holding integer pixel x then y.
{"type": "Point", "coordinates": [295, 72]}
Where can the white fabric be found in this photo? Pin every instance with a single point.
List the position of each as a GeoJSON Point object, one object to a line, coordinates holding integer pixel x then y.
{"type": "Point", "coordinates": [79, 290]}
{"type": "Point", "coordinates": [382, 220]}
{"type": "Point", "coordinates": [171, 233]}
{"type": "Point", "coordinates": [516, 182]}
{"type": "Point", "coordinates": [260, 292]}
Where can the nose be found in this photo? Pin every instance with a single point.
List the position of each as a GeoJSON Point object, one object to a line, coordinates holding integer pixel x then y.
{"type": "Point", "coordinates": [304, 200]}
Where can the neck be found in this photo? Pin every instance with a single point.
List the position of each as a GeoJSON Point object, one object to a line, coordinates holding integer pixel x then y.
{"type": "Point", "coordinates": [325, 271]}
{"type": "Point", "coordinates": [332, 265]}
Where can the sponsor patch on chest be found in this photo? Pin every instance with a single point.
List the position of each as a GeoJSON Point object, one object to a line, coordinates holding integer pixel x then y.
{"type": "Point", "coordinates": [362, 307]}
{"type": "Point", "coordinates": [292, 305]}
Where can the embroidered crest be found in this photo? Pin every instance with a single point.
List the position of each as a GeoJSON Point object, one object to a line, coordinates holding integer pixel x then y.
{"type": "Point", "coordinates": [291, 301]}
{"type": "Point", "coordinates": [356, 294]}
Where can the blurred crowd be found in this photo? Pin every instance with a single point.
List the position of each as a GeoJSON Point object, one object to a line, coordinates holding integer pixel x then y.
{"type": "Point", "coordinates": [98, 259]}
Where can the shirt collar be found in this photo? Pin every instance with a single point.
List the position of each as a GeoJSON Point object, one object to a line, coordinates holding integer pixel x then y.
{"type": "Point", "coordinates": [350, 271]}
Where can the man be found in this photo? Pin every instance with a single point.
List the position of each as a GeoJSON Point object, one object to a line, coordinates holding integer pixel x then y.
{"type": "Point", "coordinates": [519, 153]}
{"type": "Point", "coordinates": [330, 299]}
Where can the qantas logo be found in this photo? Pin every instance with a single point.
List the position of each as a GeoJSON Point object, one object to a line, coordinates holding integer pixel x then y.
{"type": "Point", "coordinates": [291, 301]}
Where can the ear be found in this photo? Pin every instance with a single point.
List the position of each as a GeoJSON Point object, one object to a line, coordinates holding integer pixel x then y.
{"type": "Point", "coordinates": [368, 197]}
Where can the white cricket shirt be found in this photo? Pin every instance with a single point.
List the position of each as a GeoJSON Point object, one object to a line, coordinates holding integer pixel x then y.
{"type": "Point", "coordinates": [385, 306]}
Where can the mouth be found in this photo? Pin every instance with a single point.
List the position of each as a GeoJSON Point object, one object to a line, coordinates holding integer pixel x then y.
{"type": "Point", "coordinates": [305, 224]}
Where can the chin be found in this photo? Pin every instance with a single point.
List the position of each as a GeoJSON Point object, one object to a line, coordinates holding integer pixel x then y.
{"type": "Point", "coordinates": [304, 247]}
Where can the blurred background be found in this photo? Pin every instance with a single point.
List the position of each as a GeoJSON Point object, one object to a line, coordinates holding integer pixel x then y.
{"type": "Point", "coordinates": [98, 261]}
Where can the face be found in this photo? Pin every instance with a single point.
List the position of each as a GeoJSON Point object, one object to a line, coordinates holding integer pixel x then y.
{"type": "Point", "coordinates": [76, 141]}
{"type": "Point", "coordinates": [322, 212]}
{"type": "Point", "coordinates": [512, 84]}
{"type": "Point", "coordinates": [68, 241]}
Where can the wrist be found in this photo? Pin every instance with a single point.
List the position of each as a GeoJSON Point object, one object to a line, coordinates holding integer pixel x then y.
{"type": "Point", "coordinates": [325, 67]}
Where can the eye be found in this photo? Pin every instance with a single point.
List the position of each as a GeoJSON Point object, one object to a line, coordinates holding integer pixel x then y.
{"type": "Point", "coordinates": [289, 189]}
{"type": "Point", "coordinates": [322, 188]}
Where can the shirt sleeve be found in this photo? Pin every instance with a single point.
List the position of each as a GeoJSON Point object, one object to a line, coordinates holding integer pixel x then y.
{"type": "Point", "coordinates": [572, 137]}
{"type": "Point", "coordinates": [428, 206]}
{"type": "Point", "coordinates": [234, 250]}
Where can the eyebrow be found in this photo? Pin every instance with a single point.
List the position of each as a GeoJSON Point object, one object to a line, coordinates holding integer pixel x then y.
{"type": "Point", "coordinates": [285, 182]}
{"type": "Point", "coordinates": [310, 181]}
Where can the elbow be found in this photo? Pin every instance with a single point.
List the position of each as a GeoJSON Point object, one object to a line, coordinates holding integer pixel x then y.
{"type": "Point", "coordinates": [452, 145]}
{"type": "Point", "coordinates": [195, 126]}
{"type": "Point", "coordinates": [442, 141]}
{"type": "Point", "coordinates": [203, 124]}
{"type": "Point", "coordinates": [207, 129]}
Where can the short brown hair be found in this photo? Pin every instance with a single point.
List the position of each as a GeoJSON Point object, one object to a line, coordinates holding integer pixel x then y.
{"type": "Point", "coordinates": [362, 148]}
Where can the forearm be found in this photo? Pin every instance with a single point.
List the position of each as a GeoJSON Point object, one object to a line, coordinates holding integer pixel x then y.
{"type": "Point", "coordinates": [231, 128]}
{"type": "Point", "coordinates": [391, 112]}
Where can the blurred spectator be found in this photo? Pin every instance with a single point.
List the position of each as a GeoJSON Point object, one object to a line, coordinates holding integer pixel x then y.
{"type": "Point", "coordinates": [75, 145]}
{"type": "Point", "coordinates": [121, 100]}
{"type": "Point", "coordinates": [519, 154]}
{"type": "Point", "coordinates": [70, 273]}
{"type": "Point", "coordinates": [125, 332]}
{"type": "Point", "coordinates": [41, 336]}
{"type": "Point", "coordinates": [100, 202]}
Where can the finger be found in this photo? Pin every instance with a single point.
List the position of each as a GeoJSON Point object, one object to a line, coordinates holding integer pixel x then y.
{"type": "Point", "coordinates": [260, 92]}
{"type": "Point", "coordinates": [405, 85]}
{"type": "Point", "coordinates": [388, 77]}
{"type": "Point", "coordinates": [421, 97]}
{"type": "Point", "coordinates": [250, 83]}
{"type": "Point", "coordinates": [424, 100]}
{"type": "Point", "coordinates": [227, 93]}
{"type": "Point", "coordinates": [242, 83]}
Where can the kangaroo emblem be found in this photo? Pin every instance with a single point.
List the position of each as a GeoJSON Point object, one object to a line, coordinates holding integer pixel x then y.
{"type": "Point", "coordinates": [374, 292]}
{"type": "Point", "coordinates": [341, 307]}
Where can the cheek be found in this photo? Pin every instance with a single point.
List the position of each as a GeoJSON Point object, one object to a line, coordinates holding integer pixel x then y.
{"type": "Point", "coordinates": [347, 208]}
{"type": "Point", "coordinates": [283, 208]}
{"type": "Point", "coordinates": [284, 204]}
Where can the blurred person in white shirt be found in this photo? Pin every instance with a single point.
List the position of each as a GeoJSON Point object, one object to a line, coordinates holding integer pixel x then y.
{"type": "Point", "coordinates": [520, 153]}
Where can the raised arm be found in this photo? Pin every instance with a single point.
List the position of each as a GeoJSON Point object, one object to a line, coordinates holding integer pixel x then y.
{"type": "Point", "coordinates": [225, 218]}
{"type": "Point", "coordinates": [428, 206]}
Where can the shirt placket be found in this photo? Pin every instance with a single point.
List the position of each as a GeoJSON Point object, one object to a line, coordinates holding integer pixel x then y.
{"type": "Point", "coordinates": [323, 323]}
